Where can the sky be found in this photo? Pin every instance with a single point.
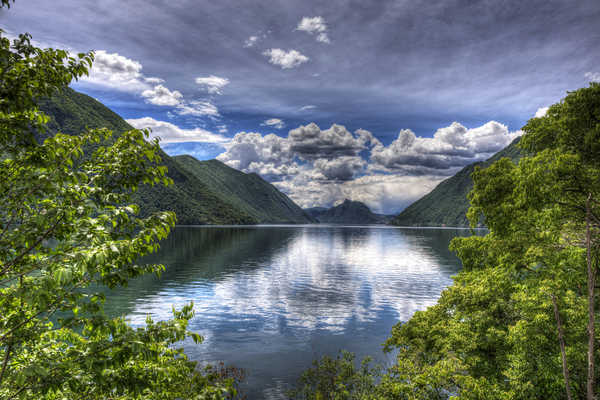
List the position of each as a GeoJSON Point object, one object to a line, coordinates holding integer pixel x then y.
{"type": "Point", "coordinates": [374, 101]}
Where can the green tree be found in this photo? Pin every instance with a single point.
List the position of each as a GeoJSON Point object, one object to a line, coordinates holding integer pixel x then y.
{"type": "Point", "coordinates": [66, 227]}
{"type": "Point", "coordinates": [519, 321]}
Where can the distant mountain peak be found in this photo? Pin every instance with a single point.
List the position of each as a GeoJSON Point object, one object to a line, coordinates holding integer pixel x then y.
{"type": "Point", "coordinates": [347, 212]}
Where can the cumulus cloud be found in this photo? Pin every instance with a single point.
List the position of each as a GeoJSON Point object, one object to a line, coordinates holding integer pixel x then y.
{"type": "Point", "coordinates": [340, 169]}
{"type": "Point", "coordinates": [314, 26]}
{"type": "Point", "coordinates": [541, 112]}
{"type": "Point", "coordinates": [449, 148]}
{"type": "Point", "coordinates": [593, 76]}
{"type": "Point", "coordinates": [162, 96]}
{"type": "Point", "coordinates": [274, 122]}
{"type": "Point", "coordinates": [318, 167]}
{"type": "Point", "coordinates": [285, 59]}
{"type": "Point", "coordinates": [170, 133]}
{"type": "Point", "coordinates": [117, 72]}
{"type": "Point", "coordinates": [252, 152]}
{"type": "Point", "coordinates": [311, 142]}
{"type": "Point", "coordinates": [212, 84]}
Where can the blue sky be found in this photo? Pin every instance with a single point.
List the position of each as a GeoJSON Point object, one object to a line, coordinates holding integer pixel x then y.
{"type": "Point", "coordinates": [370, 100]}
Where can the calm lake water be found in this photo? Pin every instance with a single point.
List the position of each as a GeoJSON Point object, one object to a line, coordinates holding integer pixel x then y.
{"type": "Point", "coordinates": [270, 299]}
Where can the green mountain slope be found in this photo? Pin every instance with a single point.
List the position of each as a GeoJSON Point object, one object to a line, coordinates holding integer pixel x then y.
{"type": "Point", "coordinates": [193, 200]}
{"type": "Point", "coordinates": [447, 203]}
{"type": "Point", "coordinates": [247, 192]}
{"type": "Point", "coordinates": [349, 212]}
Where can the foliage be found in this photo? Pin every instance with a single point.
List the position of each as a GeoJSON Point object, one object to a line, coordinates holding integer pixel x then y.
{"type": "Point", "coordinates": [338, 379]}
{"type": "Point", "coordinates": [67, 224]}
{"type": "Point", "coordinates": [494, 333]}
{"type": "Point", "coordinates": [447, 203]}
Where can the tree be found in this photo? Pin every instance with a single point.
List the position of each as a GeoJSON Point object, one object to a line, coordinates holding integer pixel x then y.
{"type": "Point", "coordinates": [67, 227]}
{"type": "Point", "coordinates": [519, 320]}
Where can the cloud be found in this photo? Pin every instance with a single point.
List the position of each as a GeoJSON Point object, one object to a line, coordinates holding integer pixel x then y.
{"type": "Point", "coordinates": [593, 76]}
{"type": "Point", "coordinates": [310, 142]}
{"type": "Point", "coordinates": [253, 152]}
{"type": "Point", "coordinates": [449, 148]}
{"type": "Point", "coordinates": [114, 71]}
{"type": "Point", "coordinates": [118, 72]}
{"type": "Point", "coordinates": [314, 26]}
{"type": "Point", "coordinates": [212, 84]}
{"type": "Point", "coordinates": [274, 122]}
{"type": "Point", "coordinates": [340, 169]}
{"type": "Point", "coordinates": [285, 60]}
{"type": "Point", "coordinates": [388, 194]}
{"type": "Point", "coordinates": [198, 108]}
{"type": "Point", "coordinates": [222, 128]}
{"type": "Point", "coordinates": [161, 96]}
{"type": "Point", "coordinates": [170, 133]}
{"type": "Point", "coordinates": [541, 112]}
{"type": "Point", "coordinates": [318, 167]}
{"type": "Point", "coordinates": [251, 41]}
{"type": "Point", "coordinates": [308, 107]}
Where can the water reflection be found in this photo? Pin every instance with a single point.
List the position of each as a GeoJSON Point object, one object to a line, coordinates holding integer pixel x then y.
{"type": "Point", "coordinates": [270, 299]}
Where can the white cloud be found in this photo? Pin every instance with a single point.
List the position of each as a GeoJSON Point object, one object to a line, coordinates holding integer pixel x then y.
{"type": "Point", "coordinates": [253, 152]}
{"type": "Point", "coordinates": [222, 128]}
{"type": "Point", "coordinates": [285, 59]}
{"type": "Point", "coordinates": [308, 107]}
{"type": "Point", "coordinates": [314, 26]}
{"type": "Point", "coordinates": [212, 84]}
{"type": "Point", "coordinates": [251, 41]}
{"type": "Point", "coordinates": [317, 167]}
{"type": "Point", "coordinates": [117, 72]}
{"type": "Point", "coordinates": [274, 122]}
{"type": "Point", "coordinates": [541, 112]}
{"type": "Point", "coordinates": [593, 76]}
{"type": "Point", "coordinates": [114, 71]}
{"type": "Point", "coordinates": [170, 133]}
{"type": "Point", "coordinates": [198, 108]}
{"type": "Point", "coordinates": [449, 148]}
{"type": "Point", "coordinates": [162, 96]}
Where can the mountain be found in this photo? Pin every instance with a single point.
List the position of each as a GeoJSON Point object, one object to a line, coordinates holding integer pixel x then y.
{"type": "Point", "coordinates": [447, 203]}
{"type": "Point", "coordinates": [247, 192]}
{"type": "Point", "coordinates": [349, 212]}
{"type": "Point", "coordinates": [194, 201]}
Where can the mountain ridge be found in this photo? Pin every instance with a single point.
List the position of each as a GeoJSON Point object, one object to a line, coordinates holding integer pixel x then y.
{"type": "Point", "coordinates": [348, 212]}
{"type": "Point", "coordinates": [194, 201]}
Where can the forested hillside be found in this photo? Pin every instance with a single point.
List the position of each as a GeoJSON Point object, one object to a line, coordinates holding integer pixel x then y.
{"type": "Point", "coordinates": [247, 192]}
{"type": "Point", "coordinates": [196, 198]}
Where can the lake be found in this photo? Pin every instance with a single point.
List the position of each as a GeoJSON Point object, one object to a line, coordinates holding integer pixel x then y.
{"type": "Point", "coordinates": [270, 299]}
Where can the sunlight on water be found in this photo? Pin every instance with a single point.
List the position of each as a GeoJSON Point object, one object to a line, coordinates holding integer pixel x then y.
{"type": "Point", "coordinates": [270, 299]}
